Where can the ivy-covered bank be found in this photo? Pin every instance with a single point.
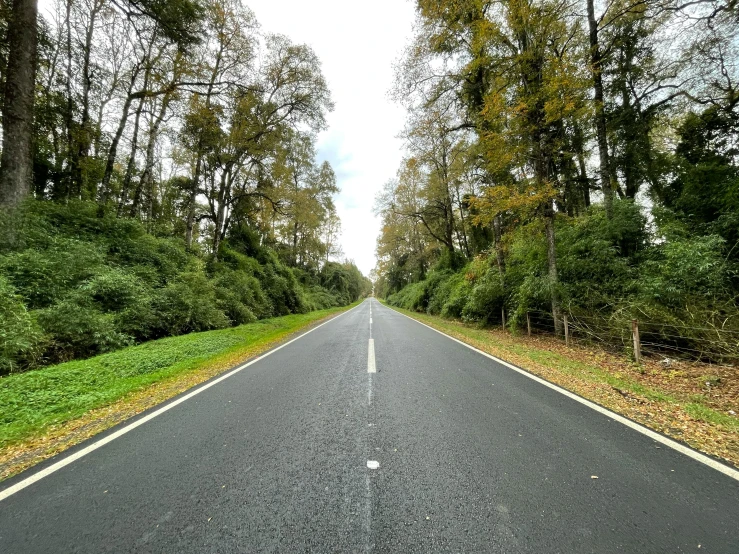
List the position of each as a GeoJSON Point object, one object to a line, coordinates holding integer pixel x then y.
{"type": "Point", "coordinates": [75, 285]}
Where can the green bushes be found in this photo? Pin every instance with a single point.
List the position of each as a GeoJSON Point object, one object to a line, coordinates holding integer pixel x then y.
{"type": "Point", "coordinates": [473, 293]}
{"type": "Point", "coordinates": [236, 296]}
{"type": "Point", "coordinates": [686, 267]}
{"type": "Point", "coordinates": [485, 299]}
{"type": "Point", "coordinates": [459, 291]}
{"type": "Point", "coordinates": [74, 285]}
{"type": "Point", "coordinates": [19, 334]}
{"type": "Point", "coordinates": [77, 330]}
{"type": "Point", "coordinates": [42, 276]}
{"type": "Point", "coordinates": [318, 298]}
{"type": "Point", "coordinates": [681, 286]}
{"type": "Point", "coordinates": [188, 304]}
{"type": "Point", "coordinates": [412, 297]}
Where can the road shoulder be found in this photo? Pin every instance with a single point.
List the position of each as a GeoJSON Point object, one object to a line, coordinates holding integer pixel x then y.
{"type": "Point", "coordinates": [676, 403]}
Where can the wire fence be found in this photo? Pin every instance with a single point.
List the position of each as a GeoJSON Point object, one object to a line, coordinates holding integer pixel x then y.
{"type": "Point", "coordinates": [707, 342]}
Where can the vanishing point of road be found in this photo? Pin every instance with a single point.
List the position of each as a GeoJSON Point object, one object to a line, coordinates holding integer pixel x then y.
{"type": "Point", "coordinates": [373, 433]}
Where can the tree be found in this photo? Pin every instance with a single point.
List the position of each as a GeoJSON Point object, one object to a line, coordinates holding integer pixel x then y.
{"type": "Point", "coordinates": [178, 20]}
{"type": "Point", "coordinates": [16, 164]}
{"type": "Point", "coordinates": [404, 245]}
{"type": "Point", "coordinates": [515, 67]}
{"type": "Point", "coordinates": [438, 160]}
{"type": "Point", "coordinates": [607, 178]}
{"type": "Point", "coordinates": [226, 58]}
{"type": "Point", "coordinates": [148, 129]}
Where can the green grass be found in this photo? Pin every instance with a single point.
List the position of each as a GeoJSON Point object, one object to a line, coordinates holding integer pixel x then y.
{"type": "Point", "coordinates": [704, 413]}
{"type": "Point", "coordinates": [31, 402]}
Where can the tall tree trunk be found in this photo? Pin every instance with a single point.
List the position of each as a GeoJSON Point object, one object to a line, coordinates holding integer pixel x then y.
{"type": "Point", "coordinates": [16, 164]}
{"type": "Point", "coordinates": [607, 179]}
{"type": "Point", "coordinates": [633, 135]}
{"type": "Point", "coordinates": [570, 199]}
{"type": "Point", "coordinates": [295, 242]}
{"type": "Point", "coordinates": [71, 152]}
{"type": "Point", "coordinates": [497, 236]}
{"type": "Point", "coordinates": [131, 165]}
{"type": "Point", "coordinates": [224, 194]}
{"type": "Point", "coordinates": [195, 185]}
{"type": "Point", "coordinates": [579, 145]}
{"type": "Point", "coordinates": [449, 240]}
{"type": "Point", "coordinates": [56, 177]}
{"type": "Point", "coordinates": [552, 259]}
{"type": "Point", "coordinates": [463, 223]}
{"type": "Point", "coordinates": [147, 177]}
{"type": "Point", "coordinates": [112, 151]}
{"type": "Point", "coordinates": [542, 146]}
{"type": "Point", "coordinates": [84, 135]}
{"type": "Point", "coordinates": [449, 226]}
{"type": "Point", "coordinates": [191, 199]}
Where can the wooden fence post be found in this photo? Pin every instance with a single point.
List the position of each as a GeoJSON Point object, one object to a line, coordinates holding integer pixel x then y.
{"type": "Point", "coordinates": [637, 341]}
{"type": "Point", "coordinates": [528, 322]}
{"type": "Point", "coordinates": [567, 331]}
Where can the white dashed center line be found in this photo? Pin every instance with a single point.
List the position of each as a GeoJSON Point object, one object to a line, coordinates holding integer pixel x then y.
{"type": "Point", "coordinates": [371, 357]}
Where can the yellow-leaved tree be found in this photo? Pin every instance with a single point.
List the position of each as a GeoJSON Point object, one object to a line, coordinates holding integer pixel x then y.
{"type": "Point", "coordinates": [522, 81]}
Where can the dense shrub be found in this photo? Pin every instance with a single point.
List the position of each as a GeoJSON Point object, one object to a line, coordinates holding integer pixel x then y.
{"type": "Point", "coordinates": [318, 298]}
{"type": "Point", "coordinates": [74, 284]}
{"type": "Point", "coordinates": [460, 289]}
{"type": "Point", "coordinates": [44, 276]}
{"type": "Point", "coordinates": [485, 300]}
{"type": "Point", "coordinates": [681, 286]}
{"type": "Point", "coordinates": [412, 297]}
{"type": "Point", "coordinates": [188, 304]}
{"type": "Point", "coordinates": [19, 334]}
{"type": "Point", "coordinates": [685, 267]}
{"type": "Point", "coordinates": [79, 330]}
{"type": "Point", "coordinates": [113, 289]}
{"type": "Point", "coordinates": [437, 290]}
{"type": "Point", "coordinates": [239, 296]}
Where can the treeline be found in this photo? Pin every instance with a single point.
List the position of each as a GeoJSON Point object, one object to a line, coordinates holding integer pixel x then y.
{"type": "Point", "coordinates": [571, 158]}
{"type": "Point", "coordinates": [174, 183]}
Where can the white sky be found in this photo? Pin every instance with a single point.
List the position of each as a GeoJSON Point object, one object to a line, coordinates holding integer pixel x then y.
{"type": "Point", "coordinates": [357, 43]}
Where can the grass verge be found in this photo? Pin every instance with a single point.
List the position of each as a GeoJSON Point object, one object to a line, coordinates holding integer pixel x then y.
{"type": "Point", "coordinates": [45, 411]}
{"type": "Point", "coordinates": [690, 402]}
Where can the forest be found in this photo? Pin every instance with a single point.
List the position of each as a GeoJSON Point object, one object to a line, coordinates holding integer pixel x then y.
{"type": "Point", "coordinates": [571, 160]}
{"type": "Point", "coordinates": [159, 177]}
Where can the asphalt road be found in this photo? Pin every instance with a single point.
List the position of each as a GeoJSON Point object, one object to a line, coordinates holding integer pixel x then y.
{"type": "Point", "coordinates": [473, 457]}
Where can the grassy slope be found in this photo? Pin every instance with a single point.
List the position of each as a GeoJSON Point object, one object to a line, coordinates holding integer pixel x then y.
{"type": "Point", "coordinates": [32, 402]}
{"type": "Point", "coordinates": [678, 402]}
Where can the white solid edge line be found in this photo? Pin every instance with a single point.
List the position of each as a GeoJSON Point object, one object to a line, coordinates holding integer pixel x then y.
{"type": "Point", "coordinates": [110, 438]}
{"type": "Point", "coordinates": [371, 368]}
{"type": "Point", "coordinates": [702, 458]}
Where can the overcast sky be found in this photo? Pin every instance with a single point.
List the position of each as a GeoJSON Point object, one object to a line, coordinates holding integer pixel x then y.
{"type": "Point", "coordinates": [357, 43]}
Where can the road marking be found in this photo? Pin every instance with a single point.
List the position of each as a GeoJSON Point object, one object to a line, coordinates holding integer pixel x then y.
{"type": "Point", "coordinates": [371, 368]}
{"type": "Point", "coordinates": [110, 438]}
{"type": "Point", "coordinates": [372, 464]}
{"type": "Point", "coordinates": [370, 321]}
{"type": "Point", "coordinates": [654, 435]}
